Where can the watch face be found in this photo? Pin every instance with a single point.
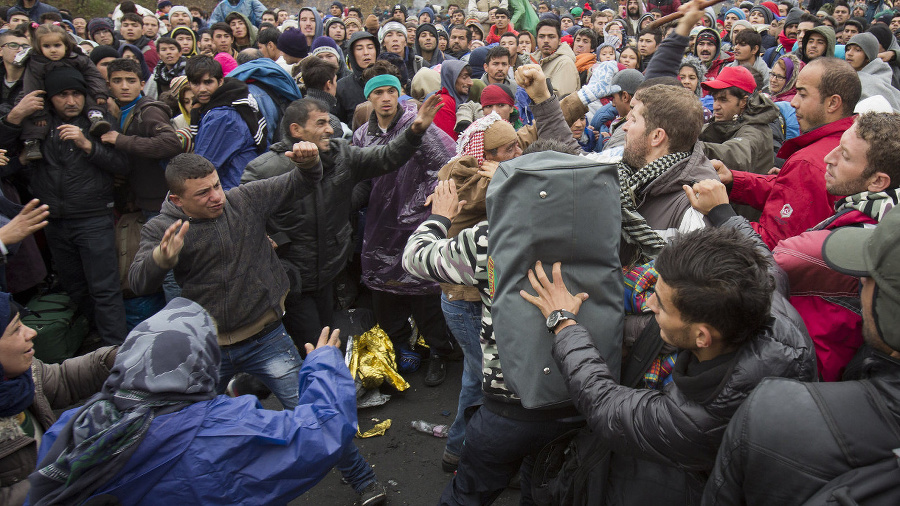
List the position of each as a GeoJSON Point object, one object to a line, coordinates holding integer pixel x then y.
{"type": "Point", "coordinates": [553, 319]}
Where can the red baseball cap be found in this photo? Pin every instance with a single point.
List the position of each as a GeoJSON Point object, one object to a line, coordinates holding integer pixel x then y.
{"type": "Point", "coordinates": [736, 76]}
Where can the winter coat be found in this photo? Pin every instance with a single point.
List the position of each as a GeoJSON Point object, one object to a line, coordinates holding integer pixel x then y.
{"type": "Point", "coordinates": [721, 59]}
{"type": "Point", "coordinates": [73, 183]}
{"type": "Point", "coordinates": [795, 199]}
{"type": "Point", "coordinates": [480, 8]}
{"type": "Point", "coordinates": [876, 80]}
{"type": "Point", "coordinates": [824, 31]}
{"type": "Point", "coordinates": [272, 456]}
{"type": "Point", "coordinates": [827, 300]}
{"type": "Point", "coordinates": [676, 431]}
{"type": "Point", "coordinates": [39, 66]}
{"type": "Point", "coordinates": [273, 88]}
{"type": "Point", "coordinates": [318, 226]}
{"type": "Point", "coordinates": [766, 456]}
{"type": "Point", "coordinates": [56, 386]}
{"type": "Point", "coordinates": [560, 68]}
{"type": "Point", "coordinates": [34, 12]}
{"type": "Point", "coordinates": [746, 143]}
{"type": "Point", "coordinates": [397, 204]}
{"type": "Point", "coordinates": [350, 89]}
{"type": "Point", "coordinates": [227, 264]}
{"type": "Point", "coordinates": [149, 141]}
{"type": "Point", "coordinates": [252, 9]}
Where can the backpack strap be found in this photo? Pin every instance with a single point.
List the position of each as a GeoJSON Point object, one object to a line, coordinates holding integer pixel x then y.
{"type": "Point", "coordinates": [645, 349]}
{"type": "Point", "coordinates": [863, 416]}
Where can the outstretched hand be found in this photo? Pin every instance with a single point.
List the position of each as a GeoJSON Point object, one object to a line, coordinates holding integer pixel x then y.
{"type": "Point", "coordinates": [30, 219]}
{"type": "Point", "coordinates": [427, 111]}
{"type": "Point", "coordinates": [706, 195]}
{"type": "Point", "coordinates": [325, 340]}
{"type": "Point", "coordinates": [445, 201]}
{"type": "Point", "coordinates": [551, 295]}
{"type": "Point", "coordinates": [166, 254]}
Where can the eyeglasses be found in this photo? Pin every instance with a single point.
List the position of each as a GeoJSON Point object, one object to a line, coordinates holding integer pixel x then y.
{"type": "Point", "coordinates": [15, 45]}
{"type": "Point", "coordinates": [776, 77]}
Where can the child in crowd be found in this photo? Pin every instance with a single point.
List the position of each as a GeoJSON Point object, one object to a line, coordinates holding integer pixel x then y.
{"type": "Point", "coordinates": [56, 48]}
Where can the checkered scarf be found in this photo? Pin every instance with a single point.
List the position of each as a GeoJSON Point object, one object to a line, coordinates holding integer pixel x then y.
{"type": "Point", "coordinates": [471, 141]}
{"type": "Point", "coordinates": [634, 227]}
{"type": "Point", "coordinates": [873, 205]}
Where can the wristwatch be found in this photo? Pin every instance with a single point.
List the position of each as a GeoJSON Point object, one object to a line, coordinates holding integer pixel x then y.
{"type": "Point", "coordinates": [557, 317]}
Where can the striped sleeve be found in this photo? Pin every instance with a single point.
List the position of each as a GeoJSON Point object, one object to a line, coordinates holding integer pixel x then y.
{"type": "Point", "coordinates": [430, 255]}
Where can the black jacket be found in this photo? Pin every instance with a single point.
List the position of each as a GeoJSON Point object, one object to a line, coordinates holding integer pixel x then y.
{"type": "Point", "coordinates": [318, 225]}
{"type": "Point", "coordinates": [779, 448]}
{"type": "Point", "coordinates": [671, 436]}
{"type": "Point", "coordinates": [350, 88]}
{"type": "Point", "coordinates": [73, 183]}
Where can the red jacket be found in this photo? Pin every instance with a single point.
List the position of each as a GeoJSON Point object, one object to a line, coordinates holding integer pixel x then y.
{"type": "Point", "coordinates": [445, 119]}
{"type": "Point", "coordinates": [493, 36]}
{"type": "Point", "coordinates": [795, 199]}
{"type": "Point", "coordinates": [827, 300]}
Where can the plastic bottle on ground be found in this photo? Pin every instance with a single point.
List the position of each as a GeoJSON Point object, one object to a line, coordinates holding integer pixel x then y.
{"type": "Point", "coordinates": [430, 428]}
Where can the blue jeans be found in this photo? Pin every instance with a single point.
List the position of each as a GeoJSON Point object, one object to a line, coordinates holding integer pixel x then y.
{"type": "Point", "coordinates": [274, 360]}
{"type": "Point", "coordinates": [464, 321]}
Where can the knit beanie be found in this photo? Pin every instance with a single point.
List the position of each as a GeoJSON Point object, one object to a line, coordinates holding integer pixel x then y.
{"type": "Point", "coordinates": [101, 52]}
{"type": "Point", "coordinates": [179, 8]}
{"type": "Point", "coordinates": [371, 23]}
{"type": "Point", "coordinates": [353, 21]}
{"type": "Point", "coordinates": [65, 78]}
{"type": "Point", "coordinates": [867, 42]}
{"type": "Point", "coordinates": [227, 62]}
{"type": "Point", "coordinates": [737, 12]}
{"type": "Point", "coordinates": [496, 94]}
{"type": "Point", "coordinates": [293, 43]}
{"type": "Point", "coordinates": [98, 24]}
{"type": "Point", "coordinates": [323, 41]}
{"type": "Point", "coordinates": [882, 34]}
{"type": "Point", "coordinates": [390, 26]}
{"type": "Point", "coordinates": [500, 133]}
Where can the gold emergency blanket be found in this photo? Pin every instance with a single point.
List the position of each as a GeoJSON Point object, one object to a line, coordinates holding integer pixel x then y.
{"type": "Point", "coordinates": [378, 430]}
{"type": "Point", "coordinates": [373, 360]}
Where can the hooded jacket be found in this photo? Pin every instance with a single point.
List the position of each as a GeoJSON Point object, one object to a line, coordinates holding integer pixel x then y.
{"type": "Point", "coordinates": [668, 438]}
{"type": "Point", "coordinates": [445, 119]}
{"type": "Point", "coordinates": [438, 56]}
{"type": "Point", "coordinates": [746, 143]}
{"type": "Point", "coordinates": [633, 26]}
{"type": "Point", "coordinates": [252, 9]}
{"type": "Point", "coordinates": [227, 264]}
{"type": "Point", "coordinates": [320, 27]}
{"type": "Point", "coordinates": [318, 225]}
{"type": "Point", "coordinates": [560, 68]}
{"type": "Point", "coordinates": [252, 32]}
{"type": "Point", "coordinates": [350, 89]}
{"type": "Point", "coordinates": [272, 87]}
{"type": "Point", "coordinates": [397, 204]}
{"type": "Point", "coordinates": [149, 141]}
{"type": "Point", "coordinates": [876, 75]}
{"type": "Point", "coordinates": [824, 31]}
{"type": "Point", "coordinates": [719, 60]}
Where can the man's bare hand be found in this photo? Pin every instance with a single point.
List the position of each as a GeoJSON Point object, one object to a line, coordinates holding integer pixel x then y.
{"type": "Point", "coordinates": [30, 104]}
{"type": "Point", "coordinates": [488, 168]}
{"type": "Point", "coordinates": [426, 114]}
{"type": "Point", "coordinates": [4, 160]}
{"type": "Point", "coordinates": [325, 340]}
{"type": "Point", "coordinates": [166, 254]}
{"type": "Point", "coordinates": [774, 171]}
{"type": "Point", "coordinates": [724, 173]}
{"type": "Point", "coordinates": [74, 134]}
{"type": "Point", "coordinates": [532, 78]}
{"type": "Point", "coordinates": [551, 295]}
{"type": "Point", "coordinates": [445, 201]}
{"type": "Point", "coordinates": [30, 219]}
{"type": "Point", "coordinates": [692, 14]}
{"type": "Point", "coordinates": [706, 195]}
{"type": "Point", "coordinates": [110, 137]}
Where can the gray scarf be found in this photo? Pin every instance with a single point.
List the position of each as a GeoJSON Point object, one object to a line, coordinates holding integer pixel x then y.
{"type": "Point", "coordinates": [873, 205]}
{"type": "Point", "coordinates": [166, 363]}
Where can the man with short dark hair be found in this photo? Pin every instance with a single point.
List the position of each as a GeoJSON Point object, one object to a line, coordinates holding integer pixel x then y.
{"type": "Point", "coordinates": [795, 199]}
{"type": "Point", "coordinates": [746, 47]}
{"type": "Point", "coordinates": [496, 66]}
{"type": "Point", "coordinates": [459, 39]}
{"type": "Point", "coordinates": [501, 25]}
{"type": "Point", "coordinates": [320, 78]}
{"type": "Point", "coordinates": [229, 129]}
{"type": "Point", "coordinates": [132, 31]}
{"type": "Point", "coordinates": [267, 42]}
{"type": "Point", "coordinates": [75, 179]}
{"type": "Point", "coordinates": [222, 39]}
{"type": "Point", "coordinates": [556, 60]}
{"type": "Point", "coordinates": [10, 42]}
{"type": "Point", "coordinates": [765, 457]}
{"type": "Point", "coordinates": [364, 49]}
{"type": "Point", "coordinates": [648, 41]}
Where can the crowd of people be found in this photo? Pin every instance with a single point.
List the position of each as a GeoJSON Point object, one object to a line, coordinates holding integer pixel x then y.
{"type": "Point", "coordinates": [284, 166]}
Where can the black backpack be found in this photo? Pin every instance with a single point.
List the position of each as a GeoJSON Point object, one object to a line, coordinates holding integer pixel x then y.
{"type": "Point", "coordinates": [862, 424]}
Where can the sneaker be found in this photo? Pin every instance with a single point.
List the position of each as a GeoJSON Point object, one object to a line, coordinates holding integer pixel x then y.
{"type": "Point", "coordinates": [373, 495]}
{"type": "Point", "coordinates": [245, 384]}
{"type": "Point", "coordinates": [99, 126]}
{"type": "Point", "coordinates": [437, 371]}
{"type": "Point", "coordinates": [33, 151]}
{"type": "Point", "coordinates": [449, 462]}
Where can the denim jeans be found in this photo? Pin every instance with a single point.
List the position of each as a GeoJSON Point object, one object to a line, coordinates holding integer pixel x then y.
{"type": "Point", "coordinates": [274, 360]}
{"type": "Point", "coordinates": [84, 256]}
{"type": "Point", "coordinates": [496, 447]}
{"type": "Point", "coordinates": [464, 321]}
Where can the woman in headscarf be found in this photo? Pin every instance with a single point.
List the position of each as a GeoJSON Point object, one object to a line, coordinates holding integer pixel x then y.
{"type": "Point", "coordinates": [157, 428]}
{"type": "Point", "coordinates": [783, 78]}
{"type": "Point", "coordinates": [29, 392]}
{"type": "Point", "coordinates": [187, 39]}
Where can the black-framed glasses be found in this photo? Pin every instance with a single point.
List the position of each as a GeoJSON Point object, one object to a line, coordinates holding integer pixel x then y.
{"type": "Point", "coordinates": [16, 45]}
{"type": "Point", "coordinates": [773, 75]}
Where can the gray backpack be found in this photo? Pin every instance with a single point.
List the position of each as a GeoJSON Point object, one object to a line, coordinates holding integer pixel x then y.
{"type": "Point", "coordinates": [553, 207]}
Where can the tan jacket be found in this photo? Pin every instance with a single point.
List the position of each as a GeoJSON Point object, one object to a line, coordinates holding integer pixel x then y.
{"type": "Point", "coordinates": [560, 68]}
